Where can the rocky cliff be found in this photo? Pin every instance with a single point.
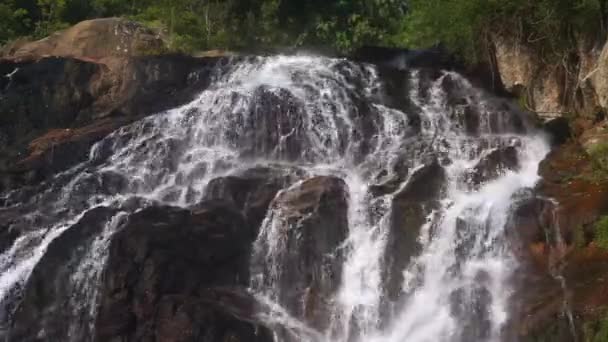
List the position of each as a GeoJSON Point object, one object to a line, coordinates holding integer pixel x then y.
{"type": "Point", "coordinates": [180, 273]}
{"type": "Point", "coordinates": [574, 84]}
{"type": "Point", "coordinates": [571, 95]}
{"type": "Point", "coordinates": [64, 93]}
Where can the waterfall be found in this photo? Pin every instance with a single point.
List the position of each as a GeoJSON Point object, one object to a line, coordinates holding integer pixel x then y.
{"type": "Point", "coordinates": [429, 180]}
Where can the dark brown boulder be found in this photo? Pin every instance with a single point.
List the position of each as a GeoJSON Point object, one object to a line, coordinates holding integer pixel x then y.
{"type": "Point", "coordinates": [312, 216]}
{"type": "Point", "coordinates": [252, 190]}
{"type": "Point", "coordinates": [410, 209]}
{"type": "Point", "coordinates": [161, 268]}
{"type": "Point", "coordinates": [55, 109]}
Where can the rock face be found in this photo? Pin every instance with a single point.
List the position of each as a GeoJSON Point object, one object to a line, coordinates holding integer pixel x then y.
{"type": "Point", "coordinates": [252, 190]}
{"type": "Point", "coordinates": [275, 120]}
{"type": "Point", "coordinates": [557, 241]}
{"type": "Point", "coordinates": [411, 208]}
{"type": "Point", "coordinates": [309, 221]}
{"type": "Point", "coordinates": [490, 166]}
{"type": "Point", "coordinates": [47, 302]}
{"type": "Point", "coordinates": [173, 275]}
{"type": "Point", "coordinates": [549, 89]}
{"type": "Point", "coordinates": [91, 39]}
{"type": "Point", "coordinates": [54, 109]}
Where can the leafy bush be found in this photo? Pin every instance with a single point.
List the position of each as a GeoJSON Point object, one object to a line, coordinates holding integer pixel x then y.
{"type": "Point", "coordinates": [599, 159]}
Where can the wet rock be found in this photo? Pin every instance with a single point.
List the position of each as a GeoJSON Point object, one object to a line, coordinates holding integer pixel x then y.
{"type": "Point", "coordinates": [475, 114]}
{"type": "Point", "coordinates": [311, 221]}
{"type": "Point", "coordinates": [8, 216]}
{"type": "Point", "coordinates": [411, 208]}
{"type": "Point", "coordinates": [252, 190]}
{"type": "Point", "coordinates": [275, 126]}
{"type": "Point", "coordinates": [46, 310]}
{"type": "Point", "coordinates": [160, 270]}
{"type": "Point", "coordinates": [494, 164]}
{"type": "Point", "coordinates": [210, 317]}
{"type": "Point", "coordinates": [553, 240]}
{"type": "Point", "coordinates": [55, 109]}
{"type": "Point", "coordinates": [469, 118]}
{"type": "Point", "coordinates": [389, 181]}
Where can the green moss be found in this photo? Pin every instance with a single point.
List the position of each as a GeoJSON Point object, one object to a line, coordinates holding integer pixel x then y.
{"type": "Point", "coordinates": [601, 233]}
{"type": "Point", "coordinates": [596, 331]}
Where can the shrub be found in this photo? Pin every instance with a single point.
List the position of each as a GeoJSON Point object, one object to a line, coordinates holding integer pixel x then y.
{"type": "Point", "coordinates": [599, 159]}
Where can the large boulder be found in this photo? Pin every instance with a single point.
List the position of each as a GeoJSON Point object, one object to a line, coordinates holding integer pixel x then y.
{"type": "Point", "coordinates": [91, 39]}
{"type": "Point", "coordinates": [252, 190]}
{"type": "Point", "coordinates": [164, 276]}
{"type": "Point", "coordinates": [410, 210]}
{"type": "Point", "coordinates": [55, 109]}
{"type": "Point", "coordinates": [305, 229]}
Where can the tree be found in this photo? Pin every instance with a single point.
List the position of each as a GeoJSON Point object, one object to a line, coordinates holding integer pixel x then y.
{"type": "Point", "coordinates": [14, 21]}
{"type": "Point", "coordinates": [51, 17]}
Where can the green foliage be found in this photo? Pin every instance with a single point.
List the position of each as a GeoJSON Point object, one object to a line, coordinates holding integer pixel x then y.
{"type": "Point", "coordinates": [599, 158]}
{"type": "Point", "coordinates": [14, 21]}
{"type": "Point", "coordinates": [596, 331]}
{"type": "Point", "coordinates": [464, 26]}
{"type": "Point", "coordinates": [468, 26]}
{"type": "Point", "coordinates": [601, 233]}
{"type": "Point", "coordinates": [602, 333]}
{"type": "Point", "coordinates": [205, 24]}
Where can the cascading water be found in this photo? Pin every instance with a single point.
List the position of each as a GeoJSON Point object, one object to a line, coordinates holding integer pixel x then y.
{"type": "Point", "coordinates": [321, 117]}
